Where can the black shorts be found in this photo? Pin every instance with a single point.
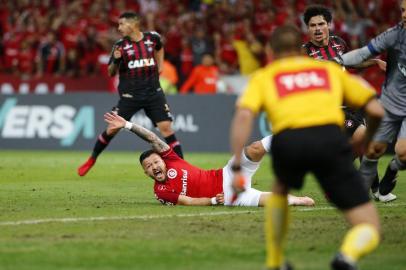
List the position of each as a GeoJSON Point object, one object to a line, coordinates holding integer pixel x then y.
{"type": "Point", "coordinates": [353, 119]}
{"type": "Point", "coordinates": [155, 107]}
{"type": "Point", "coordinates": [325, 152]}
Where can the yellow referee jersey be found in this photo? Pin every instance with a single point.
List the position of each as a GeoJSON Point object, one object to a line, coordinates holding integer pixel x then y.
{"type": "Point", "coordinates": [299, 92]}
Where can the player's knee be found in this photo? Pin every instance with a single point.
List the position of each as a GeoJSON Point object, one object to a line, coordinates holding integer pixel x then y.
{"type": "Point", "coordinates": [401, 152]}
{"type": "Point", "coordinates": [376, 150]}
{"type": "Point", "coordinates": [255, 151]}
{"type": "Point", "coordinates": [165, 129]}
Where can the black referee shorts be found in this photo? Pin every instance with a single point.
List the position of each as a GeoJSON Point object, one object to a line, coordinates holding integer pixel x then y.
{"type": "Point", "coordinates": [353, 119]}
{"type": "Point", "coordinates": [325, 152]}
{"type": "Point", "coordinates": [155, 107]}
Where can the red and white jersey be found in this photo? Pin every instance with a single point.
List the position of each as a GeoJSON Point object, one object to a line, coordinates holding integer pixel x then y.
{"type": "Point", "coordinates": [186, 179]}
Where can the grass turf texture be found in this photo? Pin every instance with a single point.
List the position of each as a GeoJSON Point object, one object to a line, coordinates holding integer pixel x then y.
{"type": "Point", "coordinates": [41, 185]}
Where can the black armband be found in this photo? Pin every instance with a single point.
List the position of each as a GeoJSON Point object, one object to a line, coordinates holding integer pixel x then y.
{"type": "Point", "coordinates": [236, 168]}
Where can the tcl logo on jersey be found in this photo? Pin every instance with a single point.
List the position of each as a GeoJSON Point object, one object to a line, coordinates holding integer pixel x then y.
{"type": "Point", "coordinates": [305, 80]}
{"type": "Point", "coordinates": [141, 63]}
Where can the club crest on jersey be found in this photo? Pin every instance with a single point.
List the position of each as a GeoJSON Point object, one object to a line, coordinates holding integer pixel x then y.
{"type": "Point", "coordinates": [141, 63]}
{"type": "Point", "coordinates": [349, 123]}
{"type": "Point", "coordinates": [130, 52]}
{"type": "Point", "coordinates": [172, 173]}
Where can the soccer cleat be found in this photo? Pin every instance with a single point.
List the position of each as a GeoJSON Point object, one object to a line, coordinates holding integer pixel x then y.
{"type": "Point", "coordinates": [388, 182]}
{"type": "Point", "coordinates": [384, 198]}
{"type": "Point", "coordinates": [340, 262]}
{"type": "Point", "coordinates": [82, 170]}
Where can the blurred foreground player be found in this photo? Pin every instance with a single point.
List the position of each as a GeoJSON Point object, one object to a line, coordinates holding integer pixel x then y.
{"type": "Point", "coordinates": [302, 98]}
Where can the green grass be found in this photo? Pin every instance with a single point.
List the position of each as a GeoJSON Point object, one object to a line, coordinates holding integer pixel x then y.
{"type": "Point", "coordinates": [41, 185]}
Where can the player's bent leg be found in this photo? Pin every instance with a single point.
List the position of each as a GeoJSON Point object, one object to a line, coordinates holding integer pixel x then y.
{"type": "Point", "coordinates": [102, 141]}
{"type": "Point", "coordinates": [256, 150]}
{"type": "Point", "coordinates": [389, 180]}
{"type": "Point", "coordinates": [369, 164]}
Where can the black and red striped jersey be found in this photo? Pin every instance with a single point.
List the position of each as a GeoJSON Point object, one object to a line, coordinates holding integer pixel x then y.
{"type": "Point", "coordinates": [335, 48]}
{"type": "Point", "coordinates": [138, 68]}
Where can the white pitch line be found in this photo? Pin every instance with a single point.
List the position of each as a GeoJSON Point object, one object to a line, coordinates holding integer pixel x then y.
{"type": "Point", "coordinates": [378, 205]}
{"type": "Point", "coordinates": [148, 217]}
{"type": "Point", "coordinates": [112, 218]}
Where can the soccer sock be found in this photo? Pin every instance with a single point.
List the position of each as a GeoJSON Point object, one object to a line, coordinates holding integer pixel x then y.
{"type": "Point", "coordinates": [369, 170]}
{"type": "Point", "coordinates": [359, 241]}
{"type": "Point", "coordinates": [102, 141]}
{"type": "Point", "coordinates": [266, 143]}
{"type": "Point", "coordinates": [375, 184]}
{"type": "Point", "coordinates": [174, 144]}
{"type": "Point", "coordinates": [388, 182]}
{"type": "Point", "coordinates": [276, 227]}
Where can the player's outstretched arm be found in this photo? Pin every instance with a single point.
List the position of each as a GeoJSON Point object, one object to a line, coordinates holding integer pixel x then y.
{"type": "Point", "coordinates": [117, 122]}
{"type": "Point", "coordinates": [186, 200]}
{"type": "Point", "coordinates": [356, 57]}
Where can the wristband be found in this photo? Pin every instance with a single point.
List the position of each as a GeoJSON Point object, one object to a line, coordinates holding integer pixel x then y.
{"type": "Point", "coordinates": [213, 201]}
{"type": "Point", "coordinates": [236, 168]}
{"type": "Point", "coordinates": [128, 125]}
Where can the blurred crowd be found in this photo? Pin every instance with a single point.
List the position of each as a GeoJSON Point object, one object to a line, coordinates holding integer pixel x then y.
{"type": "Point", "coordinates": [74, 38]}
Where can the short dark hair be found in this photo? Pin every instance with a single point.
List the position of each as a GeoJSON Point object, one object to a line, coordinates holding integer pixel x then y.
{"type": "Point", "coordinates": [317, 10]}
{"type": "Point", "coordinates": [146, 154]}
{"type": "Point", "coordinates": [129, 15]}
{"type": "Point", "coordinates": [286, 38]}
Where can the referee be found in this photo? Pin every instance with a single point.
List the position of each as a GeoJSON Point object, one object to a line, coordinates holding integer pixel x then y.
{"type": "Point", "coordinates": [302, 98]}
{"type": "Point", "coordinates": [137, 58]}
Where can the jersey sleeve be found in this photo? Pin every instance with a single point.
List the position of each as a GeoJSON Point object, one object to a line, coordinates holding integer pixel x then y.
{"type": "Point", "coordinates": [111, 59]}
{"type": "Point", "coordinates": [165, 196]}
{"type": "Point", "coordinates": [383, 41]}
{"type": "Point", "coordinates": [157, 39]}
{"type": "Point", "coordinates": [357, 91]}
{"type": "Point", "coordinates": [252, 96]}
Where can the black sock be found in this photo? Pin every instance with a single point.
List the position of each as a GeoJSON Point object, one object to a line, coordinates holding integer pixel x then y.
{"type": "Point", "coordinates": [375, 184]}
{"type": "Point", "coordinates": [102, 141]}
{"type": "Point", "coordinates": [174, 144]}
{"type": "Point", "coordinates": [388, 182]}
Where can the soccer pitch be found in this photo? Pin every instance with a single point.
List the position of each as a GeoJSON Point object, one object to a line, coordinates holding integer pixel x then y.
{"type": "Point", "coordinates": [50, 218]}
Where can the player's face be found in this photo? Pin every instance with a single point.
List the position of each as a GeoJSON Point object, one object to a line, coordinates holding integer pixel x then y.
{"type": "Point", "coordinates": [155, 167]}
{"type": "Point", "coordinates": [403, 10]}
{"type": "Point", "coordinates": [318, 30]}
{"type": "Point", "coordinates": [126, 26]}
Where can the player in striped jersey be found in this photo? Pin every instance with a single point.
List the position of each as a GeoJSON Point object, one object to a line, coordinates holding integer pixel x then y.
{"type": "Point", "coordinates": [137, 58]}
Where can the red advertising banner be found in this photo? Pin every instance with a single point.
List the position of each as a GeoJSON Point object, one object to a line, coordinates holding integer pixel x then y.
{"type": "Point", "coordinates": [10, 84]}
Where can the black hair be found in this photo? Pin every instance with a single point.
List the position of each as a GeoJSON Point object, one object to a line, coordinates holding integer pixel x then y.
{"type": "Point", "coordinates": [146, 154]}
{"type": "Point", "coordinates": [129, 15]}
{"type": "Point", "coordinates": [317, 10]}
{"type": "Point", "coordinates": [286, 38]}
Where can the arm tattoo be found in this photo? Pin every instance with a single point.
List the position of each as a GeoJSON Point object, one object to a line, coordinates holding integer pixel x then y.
{"type": "Point", "coordinates": [150, 137]}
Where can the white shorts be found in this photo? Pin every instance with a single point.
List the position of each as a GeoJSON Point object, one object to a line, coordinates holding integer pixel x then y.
{"type": "Point", "coordinates": [250, 197]}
